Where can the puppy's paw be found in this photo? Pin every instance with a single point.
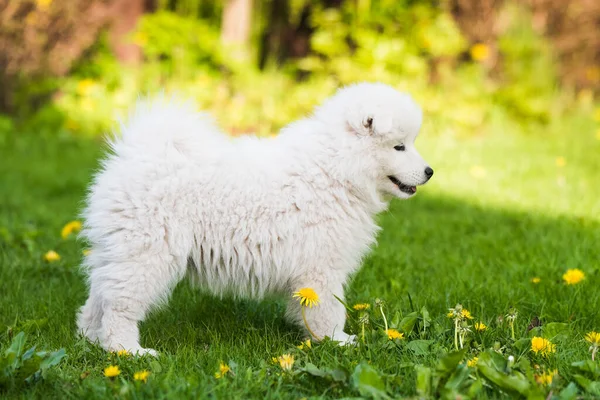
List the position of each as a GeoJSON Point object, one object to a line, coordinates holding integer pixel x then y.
{"type": "Point", "coordinates": [343, 338]}
{"type": "Point", "coordinates": [146, 352]}
{"type": "Point", "coordinates": [137, 351]}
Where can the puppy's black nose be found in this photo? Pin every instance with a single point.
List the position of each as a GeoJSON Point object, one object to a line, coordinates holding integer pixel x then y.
{"type": "Point", "coordinates": [428, 172]}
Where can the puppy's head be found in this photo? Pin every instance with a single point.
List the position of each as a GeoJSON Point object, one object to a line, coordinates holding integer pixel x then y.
{"type": "Point", "coordinates": [380, 126]}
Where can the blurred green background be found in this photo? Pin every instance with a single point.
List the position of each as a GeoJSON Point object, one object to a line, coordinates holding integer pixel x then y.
{"type": "Point", "coordinates": [73, 66]}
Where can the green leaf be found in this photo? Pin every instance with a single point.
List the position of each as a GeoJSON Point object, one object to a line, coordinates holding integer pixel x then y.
{"type": "Point", "coordinates": [338, 375]}
{"type": "Point", "coordinates": [537, 331]}
{"type": "Point", "coordinates": [458, 378]}
{"type": "Point", "coordinates": [156, 367]}
{"type": "Point", "coordinates": [557, 331]}
{"type": "Point", "coordinates": [15, 350]}
{"type": "Point", "coordinates": [475, 388]}
{"type": "Point", "coordinates": [29, 368]}
{"type": "Point", "coordinates": [569, 393]}
{"type": "Point", "coordinates": [313, 370]}
{"type": "Point", "coordinates": [368, 381]}
{"type": "Point", "coordinates": [28, 354]}
{"type": "Point", "coordinates": [523, 344]}
{"type": "Point", "coordinates": [594, 388]}
{"type": "Point", "coordinates": [419, 347]}
{"type": "Point", "coordinates": [496, 359]}
{"type": "Point", "coordinates": [51, 360]}
{"type": "Point", "coordinates": [582, 381]}
{"type": "Point", "coordinates": [426, 318]}
{"type": "Point", "coordinates": [423, 380]}
{"type": "Point", "coordinates": [587, 366]}
{"type": "Point", "coordinates": [17, 345]}
{"type": "Point", "coordinates": [493, 370]}
{"type": "Point", "coordinates": [524, 365]}
{"type": "Point", "coordinates": [408, 323]}
{"type": "Point", "coordinates": [448, 363]}
{"type": "Point", "coordinates": [395, 322]}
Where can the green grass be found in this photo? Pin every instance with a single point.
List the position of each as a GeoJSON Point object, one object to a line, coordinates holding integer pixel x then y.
{"type": "Point", "coordinates": [477, 241]}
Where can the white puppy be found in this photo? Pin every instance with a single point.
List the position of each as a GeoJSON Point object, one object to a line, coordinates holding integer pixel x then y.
{"type": "Point", "coordinates": [245, 216]}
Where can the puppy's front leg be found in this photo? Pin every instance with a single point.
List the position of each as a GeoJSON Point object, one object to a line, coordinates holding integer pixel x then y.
{"type": "Point", "coordinates": [328, 317]}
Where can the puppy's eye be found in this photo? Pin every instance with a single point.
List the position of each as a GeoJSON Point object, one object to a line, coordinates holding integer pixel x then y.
{"type": "Point", "coordinates": [399, 148]}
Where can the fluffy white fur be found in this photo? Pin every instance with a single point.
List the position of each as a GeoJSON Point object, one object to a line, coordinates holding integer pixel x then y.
{"type": "Point", "coordinates": [245, 216]}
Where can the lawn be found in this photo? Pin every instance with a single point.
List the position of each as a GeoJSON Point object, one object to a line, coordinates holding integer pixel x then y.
{"type": "Point", "coordinates": [504, 207]}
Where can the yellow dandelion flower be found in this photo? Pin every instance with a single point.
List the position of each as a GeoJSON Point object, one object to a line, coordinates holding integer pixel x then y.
{"type": "Point", "coordinates": [536, 280]}
{"type": "Point", "coordinates": [304, 344]}
{"type": "Point", "coordinates": [459, 312]}
{"type": "Point", "coordinates": [123, 353]}
{"type": "Point", "coordinates": [573, 276]}
{"type": "Point", "coordinates": [480, 326]}
{"type": "Point", "coordinates": [308, 297]}
{"type": "Point", "coordinates": [480, 52]}
{"type": "Point", "coordinates": [361, 306]}
{"type": "Point", "coordinates": [73, 226]}
{"type": "Point", "coordinates": [593, 338]}
{"type": "Point", "coordinates": [542, 346]}
{"type": "Point", "coordinates": [141, 376]}
{"type": "Point", "coordinates": [111, 371]}
{"type": "Point", "coordinates": [286, 362]}
{"type": "Point", "coordinates": [393, 334]}
{"type": "Point", "coordinates": [51, 256]}
{"type": "Point", "coordinates": [472, 362]}
{"type": "Point", "coordinates": [545, 379]}
{"type": "Point", "coordinates": [561, 161]}
{"type": "Point", "coordinates": [223, 370]}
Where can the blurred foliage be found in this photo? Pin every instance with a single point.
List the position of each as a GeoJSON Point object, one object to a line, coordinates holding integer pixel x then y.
{"type": "Point", "coordinates": [19, 366]}
{"type": "Point", "coordinates": [529, 73]}
{"type": "Point", "coordinates": [412, 45]}
{"type": "Point", "coordinates": [39, 41]}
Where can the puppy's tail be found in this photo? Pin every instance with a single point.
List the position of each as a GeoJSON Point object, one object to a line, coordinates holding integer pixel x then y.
{"type": "Point", "coordinates": [164, 123]}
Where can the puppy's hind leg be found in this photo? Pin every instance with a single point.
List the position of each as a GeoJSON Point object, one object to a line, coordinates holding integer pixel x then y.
{"type": "Point", "coordinates": [89, 318]}
{"type": "Point", "coordinates": [128, 290]}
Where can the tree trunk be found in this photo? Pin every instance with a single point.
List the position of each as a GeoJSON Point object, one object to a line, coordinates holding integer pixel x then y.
{"type": "Point", "coordinates": [128, 11]}
{"type": "Point", "coordinates": [236, 23]}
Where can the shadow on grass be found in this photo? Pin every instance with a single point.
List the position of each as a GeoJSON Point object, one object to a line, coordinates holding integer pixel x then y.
{"type": "Point", "coordinates": [439, 250]}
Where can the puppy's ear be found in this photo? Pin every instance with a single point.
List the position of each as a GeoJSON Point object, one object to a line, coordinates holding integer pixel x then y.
{"type": "Point", "coordinates": [368, 123]}
{"type": "Point", "coordinates": [373, 125]}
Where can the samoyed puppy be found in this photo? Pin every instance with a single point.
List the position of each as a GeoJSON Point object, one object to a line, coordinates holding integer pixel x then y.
{"type": "Point", "coordinates": [246, 216]}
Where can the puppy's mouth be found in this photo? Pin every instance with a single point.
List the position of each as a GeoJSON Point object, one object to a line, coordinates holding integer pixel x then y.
{"type": "Point", "coordinates": [403, 188]}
